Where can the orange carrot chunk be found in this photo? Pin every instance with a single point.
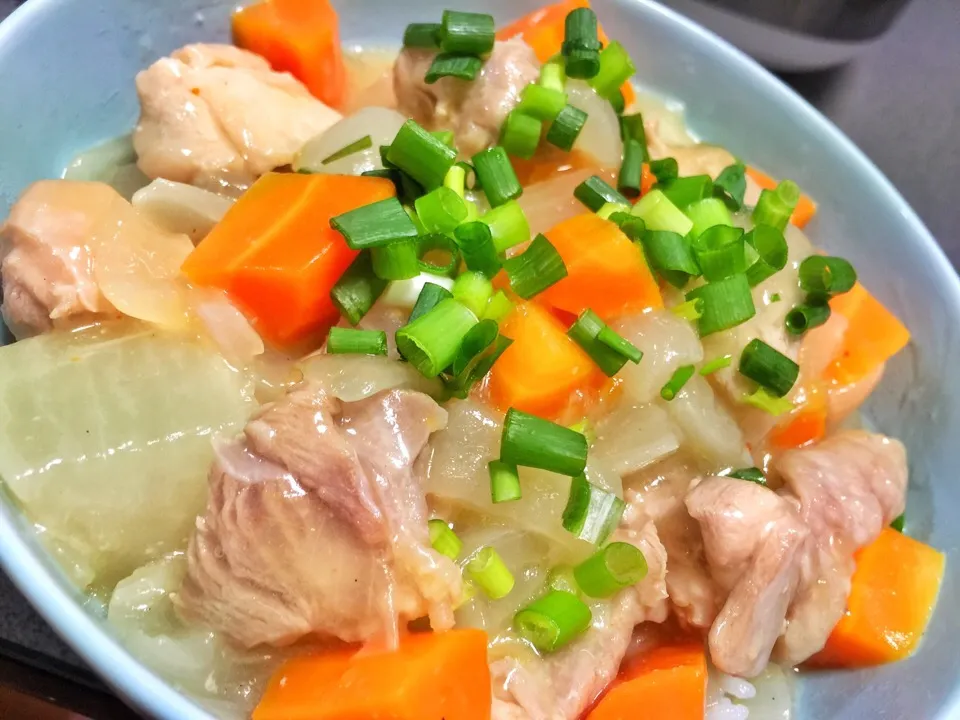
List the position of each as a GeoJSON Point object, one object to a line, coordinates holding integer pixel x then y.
{"type": "Point", "coordinates": [804, 211]}
{"type": "Point", "coordinates": [432, 676]}
{"type": "Point", "coordinates": [892, 598]}
{"type": "Point", "coordinates": [301, 37]}
{"type": "Point", "coordinates": [874, 336]}
{"type": "Point", "coordinates": [277, 257]}
{"type": "Point", "coordinates": [543, 367]}
{"type": "Point", "coordinates": [606, 272]}
{"type": "Point", "coordinates": [667, 683]}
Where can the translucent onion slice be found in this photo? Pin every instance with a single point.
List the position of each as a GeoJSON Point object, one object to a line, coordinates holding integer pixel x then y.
{"type": "Point", "coordinates": [633, 437]}
{"type": "Point", "coordinates": [381, 124]}
{"type": "Point", "coordinates": [180, 208]}
{"type": "Point", "coordinates": [354, 377]}
{"type": "Point", "coordinates": [600, 136]}
{"type": "Point", "coordinates": [238, 341]}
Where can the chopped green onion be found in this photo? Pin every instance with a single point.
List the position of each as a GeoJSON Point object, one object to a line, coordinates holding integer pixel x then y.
{"type": "Point", "coordinates": [586, 333]}
{"type": "Point", "coordinates": [374, 225]}
{"type": "Point", "coordinates": [520, 134]}
{"type": "Point", "coordinates": [674, 385]}
{"type": "Point", "coordinates": [731, 185]}
{"type": "Point", "coordinates": [356, 146]}
{"type": "Point", "coordinates": [535, 269]}
{"type": "Point", "coordinates": [541, 102]}
{"type": "Point", "coordinates": [467, 33]}
{"type": "Point", "coordinates": [616, 68]}
{"type": "Point", "coordinates": [436, 248]}
{"type": "Point", "coordinates": [581, 46]}
{"type": "Point", "coordinates": [690, 310]}
{"type": "Point", "coordinates": [553, 76]}
{"type": "Point", "coordinates": [726, 304]}
{"type": "Point", "coordinates": [477, 249]}
{"type": "Point", "coordinates": [561, 578]}
{"type": "Point", "coordinates": [671, 255]}
{"type": "Point", "coordinates": [753, 474]}
{"type": "Point", "coordinates": [463, 67]}
{"type": "Point", "coordinates": [826, 274]}
{"type": "Point", "coordinates": [473, 289]}
{"type": "Point", "coordinates": [632, 128]}
{"type": "Point", "coordinates": [444, 136]}
{"type": "Point", "coordinates": [422, 35]}
{"type": "Point", "coordinates": [533, 442]}
{"type": "Point", "coordinates": [456, 180]}
{"type": "Point", "coordinates": [591, 512]}
{"type": "Point", "coordinates": [618, 102]}
{"type": "Point", "coordinates": [585, 428]}
{"type": "Point", "coordinates": [775, 207]}
{"type": "Point", "coordinates": [441, 210]}
{"type": "Point", "coordinates": [775, 297]}
{"type": "Point", "coordinates": [508, 225]}
{"type": "Point", "coordinates": [420, 155]}
{"type": "Point", "coordinates": [504, 482]}
{"type": "Point", "coordinates": [718, 363]}
{"type": "Point", "coordinates": [496, 175]}
{"type": "Point", "coordinates": [772, 250]}
{"type": "Point", "coordinates": [396, 261]}
{"type": "Point", "coordinates": [665, 170]}
{"type": "Point", "coordinates": [430, 343]}
{"type": "Point", "coordinates": [480, 337]}
{"type": "Point", "coordinates": [898, 522]}
{"type": "Point", "coordinates": [608, 209]}
{"type": "Point", "coordinates": [470, 171]}
{"type": "Point", "coordinates": [610, 570]}
{"type": "Point", "coordinates": [721, 252]}
{"type": "Point", "coordinates": [565, 129]}
{"type": "Point", "coordinates": [498, 307]}
{"type": "Point", "coordinates": [628, 181]}
{"type": "Point", "coordinates": [617, 342]}
{"type": "Point", "coordinates": [683, 191]}
{"type": "Point", "coordinates": [594, 192]}
{"type": "Point", "coordinates": [349, 341]}
{"type": "Point", "coordinates": [807, 316]}
{"type": "Point", "coordinates": [707, 213]}
{"type": "Point", "coordinates": [631, 226]}
{"type": "Point", "coordinates": [443, 539]}
{"type": "Point", "coordinates": [357, 289]}
{"type": "Point", "coordinates": [553, 621]}
{"type": "Point", "coordinates": [478, 366]}
{"type": "Point", "coordinates": [430, 296]}
{"type": "Point", "coordinates": [768, 367]}
{"type": "Point", "coordinates": [762, 399]}
{"type": "Point", "coordinates": [488, 570]}
{"type": "Point", "coordinates": [659, 213]}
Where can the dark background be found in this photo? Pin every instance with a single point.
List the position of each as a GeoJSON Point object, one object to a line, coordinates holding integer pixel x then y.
{"type": "Point", "coordinates": [899, 101]}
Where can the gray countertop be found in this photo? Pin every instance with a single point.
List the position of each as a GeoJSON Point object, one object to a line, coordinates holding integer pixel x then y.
{"type": "Point", "coordinates": [899, 101]}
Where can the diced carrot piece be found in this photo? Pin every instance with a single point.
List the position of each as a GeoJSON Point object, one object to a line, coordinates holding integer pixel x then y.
{"type": "Point", "coordinates": [806, 424]}
{"type": "Point", "coordinates": [647, 179]}
{"type": "Point", "coordinates": [893, 595]}
{"type": "Point", "coordinates": [276, 255]}
{"type": "Point", "coordinates": [432, 676]}
{"type": "Point", "coordinates": [606, 272]}
{"type": "Point", "coordinates": [629, 94]}
{"type": "Point", "coordinates": [543, 367]}
{"type": "Point", "coordinates": [874, 335]}
{"type": "Point", "coordinates": [301, 37]}
{"type": "Point", "coordinates": [804, 211]}
{"type": "Point", "coordinates": [667, 683]}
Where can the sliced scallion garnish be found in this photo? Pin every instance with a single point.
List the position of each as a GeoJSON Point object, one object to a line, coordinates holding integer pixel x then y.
{"type": "Point", "coordinates": [462, 67]}
{"type": "Point", "coordinates": [826, 274]}
{"type": "Point", "coordinates": [520, 134]}
{"type": "Point", "coordinates": [581, 46]}
{"type": "Point", "coordinates": [670, 254]}
{"type": "Point", "coordinates": [422, 35]}
{"type": "Point", "coordinates": [350, 341]}
{"type": "Point", "coordinates": [665, 169]}
{"type": "Point", "coordinates": [356, 146]}
{"type": "Point", "coordinates": [534, 442]}
{"type": "Point", "coordinates": [591, 512]}
{"type": "Point", "coordinates": [542, 103]}
{"type": "Point", "coordinates": [594, 192]}
{"type": "Point", "coordinates": [659, 213]}
{"type": "Point", "coordinates": [632, 128]}
{"type": "Point", "coordinates": [357, 289]}
{"type": "Point", "coordinates": [720, 252]}
{"type": "Point", "coordinates": [374, 225]}
{"type": "Point", "coordinates": [775, 207]}
{"type": "Point", "coordinates": [806, 316]}
{"type": "Point", "coordinates": [706, 213]}
{"type": "Point", "coordinates": [477, 249]}
{"type": "Point", "coordinates": [726, 304]}
{"type": "Point", "coordinates": [420, 155]}
{"type": "Point", "coordinates": [683, 191]}
{"type": "Point", "coordinates": [768, 367]}
{"type": "Point", "coordinates": [585, 332]}
{"type": "Point", "coordinates": [504, 482]}
{"type": "Point", "coordinates": [753, 474]}
{"type": "Point", "coordinates": [566, 127]}
{"type": "Point", "coordinates": [443, 539]}
{"type": "Point", "coordinates": [610, 570]}
{"type": "Point", "coordinates": [497, 176]}
{"type": "Point", "coordinates": [438, 254]}
{"type": "Point", "coordinates": [690, 310]}
{"type": "Point", "coordinates": [764, 400]}
{"type": "Point", "coordinates": [473, 289]}
{"type": "Point", "coordinates": [731, 185]}
{"type": "Point", "coordinates": [718, 363]}
{"type": "Point", "coordinates": [396, 260]}
{"type": "Point", "coordinates": [498, 307]}
{"type": "Point", "coordinates": [772, 250]}
{"type": "Point", "coordinates": [553, 621]}
{"type": "Point", "coordinates": [674, 385]}
{"type": "Point", "coordinates": [441, 210]}
{"type": "Point", "coordinates": [631, 170]}
{"type": "Point", "coordinates": [467, 33]}
{"type": "Point", "coordinates": [535, 269]}
{"type": "Point", "coordinates": [488, 570]}
{"type": "Point", "coordinates": [616, 68]}
{"type": "Point", "coordinates": [430, 296]}
{"type": "Point", "coordinates": [430, 343]}
{"type": "Point", "coordinates": [508, 225]}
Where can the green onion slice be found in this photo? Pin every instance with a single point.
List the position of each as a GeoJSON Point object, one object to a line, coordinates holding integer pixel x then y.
{"type": "Point", "coordinates": [553, 621]}
{"type": "Point", "coordinates": [591, 513]}
{"type": "Point", "coordinates": [772, 250]}
{"type": "Point", "coordinates": [443, 539]}
{"type": "Point", "coordinates": [374, 225]}
{"type": "Point", "coordinates": [718, 363]}
{"type": "Point", "coordinates": [676, 382]}
{"type": "Point", "coordinates": [665, 170]}
{"type": "Point", "coordinates": [473, 289]}
{"type": "Point", "coordinates": [683, 191]}
{"type": "Point", "coordinates": [753, 474]}
{"type": "Point", "coordinates": [422, 35]}
{"type": "Point", "coordinates": [726, 304]}
{"type": "Point", "coordinates": [535, 269]}
{"type": "Point", "coordinates": [534, 442]}
{"type": "Point", "coordinates": [898, 522]}
{"type": "Point", "coordinates": [462, 67]}
{"type": "Point", "coordinates": [581, 46]}
{"type": "Point", "coordinates": [811, 314]}
{"type": "Point", "coordinates": [721, 252]}
{"type": "Point", "coordinates": [487, 569]}
{"type": "Point", "coordinates": [508, 225]}
{"type": "Point", "coordinates": [594, 192]}
{"type": "Point", "coordinates": [631, 170]}
{"type": "Point", "coordinates": [504, 482]}
{"type": "Point", "coordinates": [775, 207]}
{"type": "Point", "coordinates": [610, 570]}
{"type": "Point", "coordinates": [498, 307]}
{"type": "Point", "coordinates": [659, 213]}
{"type": "Point", "coordinates": [616, 68]}
{"type": "Point", "coordinates": [586, 333]}
{"type": "Point", "coordinates": [349, 341]}
{"type": "Point", "coordinates": [438, 254]}
{"type": "Point", "coordinates": [542, 103]}
{"type": "Point", "coordinates": [617, 342]}
{"type": "Point", "coordinates": [762, 399]}
{"type": "Point", "coordinates": [707, 213]}
{"type": "Point", "coordinates": [690, 310]}
{"type": "Point", "coordinates": [825, 274]}
{"type": "Point", "coordinates": [420, 155]}
{"type": "Point", "coordinates": [430, 296]}
{"type": "Point", "coordinates": [520, 134]}
{"type": "Point", "coordinates": [430, 343]}
{"type": "Point", "coordinates": [357, 289]}
{"type": "Point", "coordinates": [632, 128]}
{"type": "Point", "coordinates": [397, 260]}
{"type": "Point", "coordinates": [553, 74]}
{"type": "Point", "coordinates": [496, 175]}
{"type": "Point", "coordinates": [356, 146]}
{"type": "Point", "coordinates": [671, 255]}
{"type": "Point", "coordinates": [480, 337]}
{"type": "Point", "coordinates": [565, 129]}
{"type": "Point", "coordinates": [441, 210]}
{"type": "Point", "coordinates": [618, 102]}
{"type": "Point", "coordinates": [731, 185]}
{"type": "Point", "coordinates": [477, 367]}
{"type": "Point", "coordinates": [456, 180]}
{"type": "Point", "coordinates": [768, 367]}
{"type": "Point", "coordinates": [475, 241]}
{"type": "Point", "coordinates": [467, 33]}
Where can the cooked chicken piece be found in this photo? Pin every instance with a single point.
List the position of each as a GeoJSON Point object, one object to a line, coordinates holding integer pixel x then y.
{"type": "Point", "coordinates": [563, 685]}
{"type": "Point", "coordinates": [47, 269]}
{"type": "Point", "coordinates": [216, 115]}
{"type": "Point", "coordinates": [753, 540]}
{"type": "Point", "coordinates": [848, 488]}
{"type": "Point", "coordinates": [475, 110]}
{"type": "Point", "coordinates": [315, 525]}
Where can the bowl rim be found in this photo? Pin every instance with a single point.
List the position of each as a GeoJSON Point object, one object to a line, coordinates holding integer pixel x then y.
{"type": "Point", "coordinates": [37, 579]}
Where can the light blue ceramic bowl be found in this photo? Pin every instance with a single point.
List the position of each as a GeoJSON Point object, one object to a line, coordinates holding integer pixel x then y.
{"type": "Point", "coordinates": [66, 83]}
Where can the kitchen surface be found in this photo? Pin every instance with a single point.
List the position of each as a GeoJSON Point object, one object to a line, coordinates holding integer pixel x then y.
{"type": "Point", "coordinates": [899, 101]}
